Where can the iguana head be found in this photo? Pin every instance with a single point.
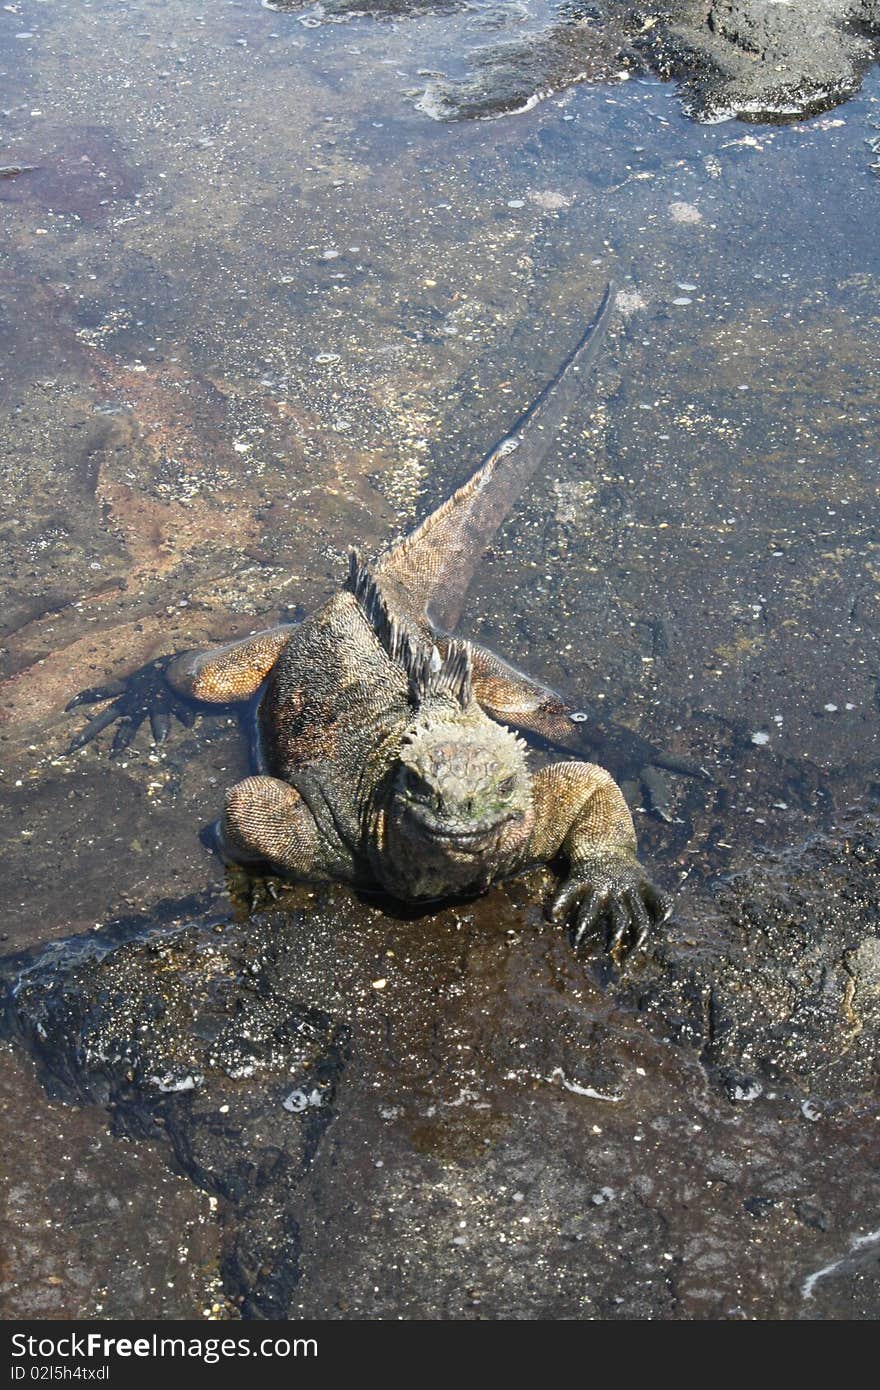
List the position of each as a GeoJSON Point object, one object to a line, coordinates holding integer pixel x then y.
{"type": "Point", "coordinates": [461, 802]}
{"type": "Point", "coordinates": [461, 780]}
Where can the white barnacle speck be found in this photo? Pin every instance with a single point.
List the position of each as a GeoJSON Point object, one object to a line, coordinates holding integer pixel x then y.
{"type": "Point", "coordinates": [630, 302]}
{"type": "Point", "coordinates": [557, 1074]}
{"type": "Point", "coordinates": [810, 1110]}
{"type": "Point", "coordinates": [685, 213]}
{"type": "Point", "coordinates": [578, 717]}
{"type": "Point", "coordinates": [549, 199]}
{"type": "Point", "coordinates": [168, 1084]}
{"type": "Point", "coordinates": [301, 1100]}
{"type": "Point", "coordinates": [831, 709]}
{"type": "Point", "coordinates": [682, 299]}
{"type": "Point", "coordinates": [749, 1092]}
{"type": "Point", "coordinates": [760, 738]}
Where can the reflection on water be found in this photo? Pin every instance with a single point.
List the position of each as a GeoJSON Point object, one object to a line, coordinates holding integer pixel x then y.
{"type": "Point", "coordinates": [258, 306]}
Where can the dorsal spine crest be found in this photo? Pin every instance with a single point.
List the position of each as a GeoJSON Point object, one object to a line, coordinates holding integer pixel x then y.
{"type": "Point", "coordinates": [430, 675]}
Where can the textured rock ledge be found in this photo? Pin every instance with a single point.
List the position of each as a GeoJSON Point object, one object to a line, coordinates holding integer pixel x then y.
{"type": "Point", "coordinates": [356, 1090]}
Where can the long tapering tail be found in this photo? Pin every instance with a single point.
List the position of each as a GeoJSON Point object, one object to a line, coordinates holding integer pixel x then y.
{"type": "Point", "coordinates": [431, 569]}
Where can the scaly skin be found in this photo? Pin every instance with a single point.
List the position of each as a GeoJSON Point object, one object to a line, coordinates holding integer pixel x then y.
{"type": "Point", "coordinates": [385, 758]}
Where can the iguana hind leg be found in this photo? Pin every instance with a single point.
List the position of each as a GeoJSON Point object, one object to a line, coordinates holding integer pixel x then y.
{"type": "Point", "coordinates": [226, 675]}
{"type": "Point", "coordinates": [163, 688]}
{"type": "Point", "coordinates": [514, 698]}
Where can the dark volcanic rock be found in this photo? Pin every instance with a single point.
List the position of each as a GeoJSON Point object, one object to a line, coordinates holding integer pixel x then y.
{"type": "Point", "coordinates": [760, 60]}
{"type": "Point", "coordinates": [786, 988]}
{"type": "Point", "coordinates": [435, 1117]}
{"type": "Point", "coordinates": [185, 1035]}
{"type": "Point", "coordinates": [754, 59]}
{"type": "Point", "coordinates": [511, 76]}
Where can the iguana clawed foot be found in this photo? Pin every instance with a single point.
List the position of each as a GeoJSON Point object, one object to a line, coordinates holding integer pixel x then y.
{"type": "Point", "coordinates": [613, 888]}
{"type": "Point", "coordinates": [251, 891]}
{"type": "Point", "coordinates": [145, 694]}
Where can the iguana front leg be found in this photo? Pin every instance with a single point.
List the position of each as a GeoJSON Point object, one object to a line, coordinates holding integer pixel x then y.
{"type": "Point", "coordinates": [580, 813]}
{"type": "Point", "coordinates": [267, 820]}
{"type": "Point", "coordinates": [218, 676]}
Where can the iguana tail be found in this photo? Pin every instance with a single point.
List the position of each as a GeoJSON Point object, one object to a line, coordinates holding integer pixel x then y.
{"type": "Point", "coordinates": [431, 569]}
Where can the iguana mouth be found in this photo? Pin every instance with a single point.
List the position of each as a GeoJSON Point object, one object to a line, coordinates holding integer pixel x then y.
{"type": "Point", "coordinates": [474, 835]}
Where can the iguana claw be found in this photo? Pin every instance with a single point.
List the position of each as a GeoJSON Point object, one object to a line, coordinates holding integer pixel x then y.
{"type": "Point", "coordinates": [616, 889]}
{"type": "Point", "coordinates": [145, 694]}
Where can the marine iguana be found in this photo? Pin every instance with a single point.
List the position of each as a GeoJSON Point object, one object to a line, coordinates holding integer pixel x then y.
{"type": "Point", "coordinates": [386, 750]}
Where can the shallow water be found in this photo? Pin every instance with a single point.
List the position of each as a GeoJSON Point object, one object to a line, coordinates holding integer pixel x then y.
{"type": "Point", "coordinates": [259, 305]}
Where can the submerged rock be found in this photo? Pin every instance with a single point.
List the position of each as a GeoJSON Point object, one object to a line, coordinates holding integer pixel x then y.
{"type": "Point", "coordinates": [513, 76]}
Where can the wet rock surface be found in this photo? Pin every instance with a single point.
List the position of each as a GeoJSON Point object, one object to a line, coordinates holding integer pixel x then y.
{"type": "Point", "coordinates": [71, 1209]}
{"type": "Point", "coordinates": [763, 61]}
{"type": "Point", "coordinates": [782, 989]}
{"type": "Point", "coordinates": [488, 1126]}
{"type": "Point", "coordinates": [510, 75]}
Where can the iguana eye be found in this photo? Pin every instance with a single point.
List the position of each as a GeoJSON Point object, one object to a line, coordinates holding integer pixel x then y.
{"type": "Point", "coordinates": [414, 782]}
{"type": "Point", "coordinates": [506, 787]}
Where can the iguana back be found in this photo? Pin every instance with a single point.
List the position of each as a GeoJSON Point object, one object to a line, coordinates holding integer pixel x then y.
{"type": "Point", "coordinates": [430, 570]}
